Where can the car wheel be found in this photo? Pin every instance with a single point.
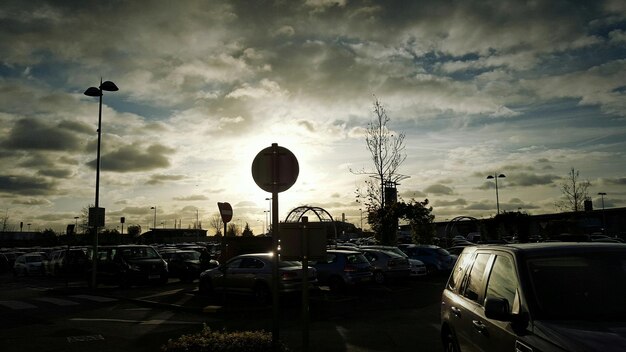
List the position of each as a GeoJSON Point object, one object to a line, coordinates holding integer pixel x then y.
{"type": "Point", "coordinates": [449, 343]}
{"type": "Point", "coordinates": [379, 277]}
{"type": "Point", "coordinates": [262, 293]}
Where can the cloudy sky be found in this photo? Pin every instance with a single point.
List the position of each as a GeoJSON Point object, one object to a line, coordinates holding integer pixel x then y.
{"type": "Point", "coordinates": [528, 89]}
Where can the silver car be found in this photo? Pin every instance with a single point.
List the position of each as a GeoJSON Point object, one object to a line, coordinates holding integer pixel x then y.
{"type": "Point", "coordinates": [252, 274]}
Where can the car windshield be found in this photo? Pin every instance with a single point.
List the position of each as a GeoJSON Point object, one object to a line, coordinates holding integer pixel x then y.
{"type": "Point", "coordinates": [356, 259]}
{"type": "Point", "coordinates": [580, 287]}
{"type": "Point", "coordinates": [139, 253]}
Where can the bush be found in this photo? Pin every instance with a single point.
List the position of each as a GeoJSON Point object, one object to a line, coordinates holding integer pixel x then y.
{"type": "Point", "coordinates": [223, 341]}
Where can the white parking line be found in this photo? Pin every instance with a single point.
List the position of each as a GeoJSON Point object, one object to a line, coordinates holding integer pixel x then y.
{"type": "Point", "coordinates": [17, 305]}
{"type": "Point", "coordinates": [95, 298]}
{"type": "Point", "coordinates": [57, 301]}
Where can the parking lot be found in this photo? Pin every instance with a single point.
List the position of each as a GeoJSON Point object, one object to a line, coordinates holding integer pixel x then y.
{"type": "Point", "coordinates": [397, 316]}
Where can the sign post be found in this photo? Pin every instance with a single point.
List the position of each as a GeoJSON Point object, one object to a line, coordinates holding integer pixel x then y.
{"type": "Point", "coordinates": [275, 169]}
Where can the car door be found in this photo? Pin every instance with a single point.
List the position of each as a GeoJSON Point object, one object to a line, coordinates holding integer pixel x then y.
{"type": "Point", "coordinates": [501, 282]}
{"type": "Point", "coordinates": [466, 306]}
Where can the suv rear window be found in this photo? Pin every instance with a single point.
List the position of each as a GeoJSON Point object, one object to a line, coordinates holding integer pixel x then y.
{"type": "Point", "coordinates": [580, 287]}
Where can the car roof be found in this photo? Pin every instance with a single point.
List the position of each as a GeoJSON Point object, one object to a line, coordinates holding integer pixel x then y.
{"type": "Point", "coordinates": [541, 248]}
{"type": "Point", "coordinates": [346, 251]}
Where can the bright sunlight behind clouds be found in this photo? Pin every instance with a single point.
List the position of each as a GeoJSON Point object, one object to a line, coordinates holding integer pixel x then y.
{"type": "Point", "coordinates": [525, 89]}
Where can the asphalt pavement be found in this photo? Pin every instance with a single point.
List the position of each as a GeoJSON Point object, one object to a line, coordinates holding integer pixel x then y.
{"type": "Point", "coordinates": [403, 317]}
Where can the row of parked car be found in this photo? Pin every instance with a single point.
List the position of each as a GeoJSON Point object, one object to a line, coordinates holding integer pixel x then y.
{"type": "Point", "coordinates": [344, 267]}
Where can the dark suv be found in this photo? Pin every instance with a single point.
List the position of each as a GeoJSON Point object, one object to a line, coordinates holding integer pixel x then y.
{"type": "Point", "coordinates": [536, 297]}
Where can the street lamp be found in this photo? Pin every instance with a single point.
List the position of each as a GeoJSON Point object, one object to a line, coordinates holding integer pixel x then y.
{"type": "Point", "coordinates": [496, 177]}
{"type": "Point", "coordinates": [154, 223]}
{"type": "Point", "coordinates": [269, 224]}
{"type": "Point", "coordinates": [602, 194]}
{"type": "Point", "coordinates": [97, 92]}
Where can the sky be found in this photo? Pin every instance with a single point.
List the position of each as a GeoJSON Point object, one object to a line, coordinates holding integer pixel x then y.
{"type": "Point", "coordinates": [528, 89]}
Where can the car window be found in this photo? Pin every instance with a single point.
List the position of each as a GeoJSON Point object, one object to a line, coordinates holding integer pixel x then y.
{"type": "Point", "coordinates": [475, 280]}
{"type": "Point", "coordinates": [594, 283]}
{"type": "Point", "coordinates": [502, 280]}
{"type": "Point", "coordinates": [356, 259]}
{"type": "Point", "coordinates": [457, 273]}
{"type": "Point", "coordinates": [233, 264]}
{"type": "Point", "coordinates": [251, 263]}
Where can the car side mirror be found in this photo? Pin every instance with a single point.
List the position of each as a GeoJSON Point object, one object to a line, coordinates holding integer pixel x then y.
{"type": "Point", "coordinates": [498, 309]}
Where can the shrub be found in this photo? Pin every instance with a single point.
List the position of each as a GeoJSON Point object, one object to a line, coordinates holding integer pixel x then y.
{"type": "Point", "coordinates": [223, 341]}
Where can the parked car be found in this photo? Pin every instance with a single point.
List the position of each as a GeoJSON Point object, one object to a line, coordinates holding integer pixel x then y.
{"type": "Point", "coordinates": [536, 297]}
{"type": "Point", "coordinates": [252, 274]}
{"type": "Point", "coordinates": [387, 265]}
{"type": "Point", "coordinates": [71, 261]}
{"type": "Point", "coordinates": [29, 264]}
{"type": "Point", "coordinates": [343, 268]}
{"type": "Point", "coordinates": [128, 265]}
{"type": "Point", "coordinates": [434, 257]}
{"type": "Point", "coordinates": [185, 264]}
{"type": "Point", "coordinates": [418, 268]}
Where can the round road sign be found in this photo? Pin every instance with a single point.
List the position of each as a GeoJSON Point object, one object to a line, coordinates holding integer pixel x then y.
{"type": "Point", "coordinates": [275, 169]}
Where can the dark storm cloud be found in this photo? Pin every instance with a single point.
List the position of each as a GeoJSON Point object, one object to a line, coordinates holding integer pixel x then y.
{"type": "Point", "coordinates": [31, 201]}
{"type": "Point", "coordinates": [528, 180]}
{"type": "Point", "coordinates": [157, 179]}
{"type": "Point", "coordinates": [55, 173]}
{"type": "Point", "coordinates": [615, 181]}
{"type": "Point", "coordinates": [134, 157]}
{"type": "Point", "coordinates": [26, 185]}
{"type": "Point", "coordinates": [33, 134]}
{"type": "Point", "coordinates": [447, 203]}
{"type": "Point", "coordinates": [412, 194]}
{"type": "Point", "coordinates": [439, 189]}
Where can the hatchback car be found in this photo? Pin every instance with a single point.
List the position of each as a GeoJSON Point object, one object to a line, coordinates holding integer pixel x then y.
{"type": "Point", "coordinates": [29, 264]}
{"type": "Point", "coordinates": [252, 274]}
{"type": "Point", "coordinates": [127, 265]}
{"type": "Point", "coordinates": [417, 267]}
{"type": "Point", "coordinates": [387, 265]}
{"type": "Point", "coordinates": [434, 257]}
{"type": "Point", "coordinates": [536, 297]}
{"type": "Point", "coordinates": [343, 268]}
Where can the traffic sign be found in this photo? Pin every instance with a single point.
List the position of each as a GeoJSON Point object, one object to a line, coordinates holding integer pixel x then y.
{"type": "Point", "coordinates": [275, 169]}
{"type": "Point", "coordinates": [226, 211]}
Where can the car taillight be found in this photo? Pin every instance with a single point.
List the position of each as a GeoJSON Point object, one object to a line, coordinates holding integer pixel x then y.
{"type": "Point", "coordinates": [288, 275]}
{"type": "Point", "coordinates": [350, 268]}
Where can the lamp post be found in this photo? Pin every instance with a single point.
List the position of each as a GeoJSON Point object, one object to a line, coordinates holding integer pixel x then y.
{"type": "Point", "coordinates": [154, 223]}
{"type": "Point", "coordinates": [361, 210]}
{"type": "Point", "coordinates": [602, 194]}
{"type": "Point", "coordinates": [266, 224]}
{"type": "Point", "coordinates": [496, 177]}
{"type": "Point", "coordinates": [97, 92]}
{"type": "Point", "coordinates": [269, 223]}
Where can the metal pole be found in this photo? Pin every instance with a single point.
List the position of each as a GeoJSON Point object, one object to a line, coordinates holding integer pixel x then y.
{"type": "Point", "coordinates": [94, 268]}
{"type": "Point", "coordinates": [275, 242]}
{"type": "Point", "coordinates": [497, 197]}
{"type": "Point", "coordinates": [305, 284]}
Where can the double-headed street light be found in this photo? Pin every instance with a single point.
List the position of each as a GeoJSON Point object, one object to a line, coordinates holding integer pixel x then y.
{"type": "Point", "coordinates": [97, 215]}
{"type": "Point", "coordinates": [496, 177]}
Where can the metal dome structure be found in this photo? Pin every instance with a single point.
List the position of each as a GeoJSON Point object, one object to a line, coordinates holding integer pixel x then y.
{"type": "Point", "coordinates": [322, 215]}
{"type": "Point", "coordinates": [450, 226]}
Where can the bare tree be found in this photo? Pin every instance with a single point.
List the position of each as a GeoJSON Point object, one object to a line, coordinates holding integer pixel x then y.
{"type": "Point", "coordinates": [215, 222]}
{"type": "Point", "coordinates": [574, 192]}
{"type": "Point", "coordinates": [387, 153]}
